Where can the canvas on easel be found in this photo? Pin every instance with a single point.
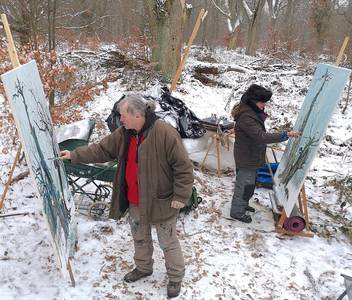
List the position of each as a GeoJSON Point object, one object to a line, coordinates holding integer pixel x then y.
{"type": "Point", "coordinates": [30, 109]}
{"type": "Point", "coordinates": [323, 94]}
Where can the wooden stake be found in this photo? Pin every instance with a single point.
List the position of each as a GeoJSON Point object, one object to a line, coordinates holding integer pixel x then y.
{"type": "Point", "coordinates": [3, 196]}
{"type": "Point", "coordinates": [10, 44]}
{"type": "Point", "coordinates": [342, 51]}
{"type": "Point", "coordinates": [200, 19]}
{"type": "Point", "coordinates": [15, 63]}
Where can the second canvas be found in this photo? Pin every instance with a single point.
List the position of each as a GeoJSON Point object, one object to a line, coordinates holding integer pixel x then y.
{"type": "Point", "coordinates": [324, 92]}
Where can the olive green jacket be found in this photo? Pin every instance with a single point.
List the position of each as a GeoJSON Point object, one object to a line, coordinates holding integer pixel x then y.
{"type": "Point", "coordinates": [165, 173]}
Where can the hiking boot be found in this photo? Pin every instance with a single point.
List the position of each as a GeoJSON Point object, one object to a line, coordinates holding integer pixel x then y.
{"type": "Point", "coordinates": [243, 218]}
{"type": "Point", "coordinates": [250, 209]}
{"type": "Point", "coordinates": [173, 289]}
{"type": "Point", "coordinates": [135, 275]}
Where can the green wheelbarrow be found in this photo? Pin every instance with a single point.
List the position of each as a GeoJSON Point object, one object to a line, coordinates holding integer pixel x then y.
{"type": "Point", "coordinates": [92, 181]}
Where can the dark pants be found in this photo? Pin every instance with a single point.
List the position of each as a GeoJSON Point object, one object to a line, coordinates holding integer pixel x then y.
{"type": "Point", "coordinates": [244, 190]}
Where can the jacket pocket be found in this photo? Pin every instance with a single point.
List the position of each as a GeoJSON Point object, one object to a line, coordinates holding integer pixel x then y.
{"type": "Point", "coordinates": [162, 210]}
{"type": "Point", "coordinates": [166, 196]}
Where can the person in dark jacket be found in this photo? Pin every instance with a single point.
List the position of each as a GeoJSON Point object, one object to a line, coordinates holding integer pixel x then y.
{"type": "Point", "coordinates": [154, 180]}
{"type": "Point", "coordinates": [250, 146]}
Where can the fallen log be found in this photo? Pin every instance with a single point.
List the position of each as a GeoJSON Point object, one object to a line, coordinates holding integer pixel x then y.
{"type": "Point", "coordinates": [20, 176]}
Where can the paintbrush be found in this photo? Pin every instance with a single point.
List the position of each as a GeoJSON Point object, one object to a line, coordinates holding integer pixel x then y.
{"type": "Point", "coordinates": [53, 158]}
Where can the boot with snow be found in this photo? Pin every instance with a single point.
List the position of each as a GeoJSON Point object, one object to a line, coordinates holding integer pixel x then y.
{"type": "Point", "coordinates": [250, 209]}
{"type": "Point", "coordinates": [135, 275]}
{"type": "Point", "coordinates": [173, 289]}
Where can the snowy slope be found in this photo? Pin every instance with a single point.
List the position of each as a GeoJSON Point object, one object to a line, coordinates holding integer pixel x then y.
{"type": "Point", "coordinates": [224, 259]}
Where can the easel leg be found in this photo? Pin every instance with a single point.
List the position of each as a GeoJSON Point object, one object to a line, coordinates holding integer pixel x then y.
{"type": "Point", "coordinates": [70, 271]}
{"type": "Point", "coordinates": [282, 218]}
{"type": "Point", "coordinates": [218, 153]}
{"type": "Point", "coordinates": [206, 154]}
{"type": "Point", "coordinates": [10, 176]}
{"type": "Point", "coordinates": [269, 167]}
{"type": "Point", "coordinates": [305, 206]}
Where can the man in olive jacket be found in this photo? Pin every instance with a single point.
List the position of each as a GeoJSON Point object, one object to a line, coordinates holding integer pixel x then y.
{"type": "Point", "coordinates": [154, 180]}
{"type": "Point", "coordinates": [250, 146]}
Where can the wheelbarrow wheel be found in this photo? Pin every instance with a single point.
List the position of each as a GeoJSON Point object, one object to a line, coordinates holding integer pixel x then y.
{"type": "Point", "coordinates": [97, 209]}
{"type": "Point", "coordinates": [102, 192]}
{"type": "Point", "coordinates": [199, 200]}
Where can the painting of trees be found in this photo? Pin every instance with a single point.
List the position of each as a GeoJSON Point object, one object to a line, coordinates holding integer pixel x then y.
{"type": "Point", "coordinates": [31, 112]}
{"type": "Point", "coordinates": [323, 95]}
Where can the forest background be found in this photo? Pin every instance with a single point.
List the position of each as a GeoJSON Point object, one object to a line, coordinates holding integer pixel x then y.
{"type": "Point", "coordinates": [151, 34]}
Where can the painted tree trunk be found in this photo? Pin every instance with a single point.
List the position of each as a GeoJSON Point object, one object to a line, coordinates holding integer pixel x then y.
{"type": "Point", "coordinates": [166, 26]}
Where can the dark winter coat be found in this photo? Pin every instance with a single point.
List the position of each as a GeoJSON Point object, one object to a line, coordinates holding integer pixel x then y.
{"type": "Point", "coordinates": [165, 172]}
{"type": "Point", "coordinates": [251, 137]}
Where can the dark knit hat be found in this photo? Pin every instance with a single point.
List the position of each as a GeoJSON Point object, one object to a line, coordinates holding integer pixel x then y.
{"type": "Point", "coordinates": [256, 93]}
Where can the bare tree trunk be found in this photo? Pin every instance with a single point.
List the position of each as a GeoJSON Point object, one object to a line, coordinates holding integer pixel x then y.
{"type": "Point", "coordinates": [321, 16]}
{"type": "Point", "coordinates": [203, 29]}
{"type": "Point", "coordinates": [24, 28]}
{"type": "Point", "coordinates": [290, 13]}
{"type": "Point", "coordinates": [234, 10]}
{"type": "Point", "coordinates": [166, 26]}
{"type": "Point", "coordinates": [252, 30]}
{"type": "Point", "coordinates": [233, 38]}
{"type": "Point", "coordinates": [52, 45]}
{"type": "Point", "coordinates": [33, 23]}
{"type": "Point", "coordinates": [51, 23]}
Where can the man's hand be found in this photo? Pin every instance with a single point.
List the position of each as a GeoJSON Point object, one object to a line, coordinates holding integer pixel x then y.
{"type": "Point", "coordinates": [65, 154]}
{"type": "Point", "coordinates": [177, 204]}
{"type": "Point", "coordinates": [293, 134]}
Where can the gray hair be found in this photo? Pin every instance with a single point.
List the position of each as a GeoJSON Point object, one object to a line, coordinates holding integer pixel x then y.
{"type": "Point", "coordinates": [137, 104]}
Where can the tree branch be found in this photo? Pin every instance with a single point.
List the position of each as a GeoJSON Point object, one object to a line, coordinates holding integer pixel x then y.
{"type": "Point", "coordinates": [227, 15]}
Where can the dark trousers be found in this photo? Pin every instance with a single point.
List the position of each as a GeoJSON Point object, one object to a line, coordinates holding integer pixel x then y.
{"type": "Point", "coordinates": [244, 190]}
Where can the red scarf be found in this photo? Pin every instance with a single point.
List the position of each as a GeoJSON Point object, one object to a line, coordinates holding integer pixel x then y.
{"type": "Point", "coordinates": [131, 174]}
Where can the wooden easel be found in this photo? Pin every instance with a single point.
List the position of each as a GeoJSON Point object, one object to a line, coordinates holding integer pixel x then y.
{"type": "Point", "coordinates": [302, 205]}
{"type": "Point", "coordinates": [302, 197]}
{"type": "Point", "coordinates": [216, 140]}
{"type": "Point", "coordinates": [15, 63]}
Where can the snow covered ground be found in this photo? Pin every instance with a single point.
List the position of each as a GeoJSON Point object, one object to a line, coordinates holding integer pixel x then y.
{"type": "Point", "coordinates": [224, 259]}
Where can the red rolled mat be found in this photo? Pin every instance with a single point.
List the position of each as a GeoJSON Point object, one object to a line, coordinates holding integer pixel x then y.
{"type": "Point", "coordinates": [294, 223]}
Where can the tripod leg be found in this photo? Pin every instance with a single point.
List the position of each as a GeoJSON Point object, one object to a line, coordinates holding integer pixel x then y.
{"type": "Point", "coordinates": [206, 154]}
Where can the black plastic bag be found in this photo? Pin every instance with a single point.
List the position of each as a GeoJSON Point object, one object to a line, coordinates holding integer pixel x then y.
{"type": "Point", "coordinates": [113, 119]}
{"type": "Point", "coordinates": [189, 126]}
